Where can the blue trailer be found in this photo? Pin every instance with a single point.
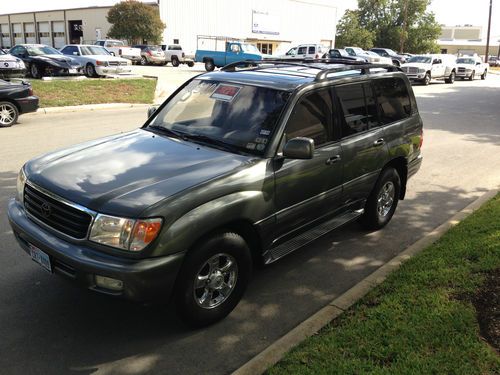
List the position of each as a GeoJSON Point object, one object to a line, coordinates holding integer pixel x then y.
{"type": "Point", "coordinates": [217, 51]}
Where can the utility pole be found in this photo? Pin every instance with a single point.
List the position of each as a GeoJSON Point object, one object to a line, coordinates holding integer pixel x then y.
{"type": "Point", "coordinates": [488, 36]}
{"type": "Point", "coordinates": [403, 31]}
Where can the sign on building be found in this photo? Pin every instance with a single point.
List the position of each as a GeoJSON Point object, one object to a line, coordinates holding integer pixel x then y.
{"type": "Point", "coordinates": [265, 23]}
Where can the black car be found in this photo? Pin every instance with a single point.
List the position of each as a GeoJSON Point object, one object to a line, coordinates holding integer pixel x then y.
{"type": "Point", "coordinates": [387, 52]}
{"type": "Point", "coordinates": [15, 99]}
{"type": "Point", "coordinates": [11, 66]}
{"type": "Point", "coordinates": [340, 53]}
{"type": "Point", "coordinates": [237, 166]}
{"type": "Point", "coordinates": [45, 61]}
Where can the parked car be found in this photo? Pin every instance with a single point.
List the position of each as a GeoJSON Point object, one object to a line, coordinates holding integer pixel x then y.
{"type": "Point", "coordinates": [16, 98]}
{"type": "Point", "coordinates": [96, 60]}
{"type": "Point", "coordinates": [225, 52]}
{"type": "Point", "coordinates": [118, 48]}
{"type": "Point", "coordinates": [176, 55]}
{"type": "Point", "coordinates": [424, 68]}
{"type": "Point", "coordinates": [396, 58]}
{"type": "Point", "coordinates": [494, 61]}
{"type": "Point", "coordinates": [339, 53]}
{"type": "Point", "coordinates": [151, 54]}
{"type": "Point", "coordinates": [306, 51]}
{"type": "Point", "coordinates": [471, 67]}
{"type": "Point", "coordinates": [11, 66]}
{"type": "Point", "coordinates": [45, 61]}
{"type": "Point", "coordinates": [291, 52]}
{"type": "Point", "coordinates": [369, 56]}
{"type": "Point", "coordinates": [236, 167]}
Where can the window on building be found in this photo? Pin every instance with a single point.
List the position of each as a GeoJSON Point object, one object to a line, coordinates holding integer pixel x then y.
{"type": "Point", "coordinates": [176, 41]}
{"type": "Point", "coordinates": [266, 48]}
{"type": "Point", "coordinates": [393, 99]}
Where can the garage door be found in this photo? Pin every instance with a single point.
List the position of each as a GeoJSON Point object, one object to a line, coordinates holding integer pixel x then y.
{"type": "Point", "coordinates": [29, 32]}
{"type": "Point", "coordinates": [4, 30]}
{"type": "Point", "coordinates": [58, 33]}
{"type": "Point", "coordinates": [17, 29]}
{"type": "Point", "coordinates": [44, 33]}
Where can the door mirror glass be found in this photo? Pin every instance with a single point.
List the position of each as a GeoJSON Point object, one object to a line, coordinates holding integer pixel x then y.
{"type": "Point", "coordinates": [76, 53]}
{"type": "Point", "coordinates": [436, 61]}
{"type": "Point", "coordinates": [299, 148]}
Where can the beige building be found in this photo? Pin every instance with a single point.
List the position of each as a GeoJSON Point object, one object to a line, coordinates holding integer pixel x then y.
{"type": "Point", "coordinates": [466, 40]}
{"type": "Point", "coordinates": [56, 27]}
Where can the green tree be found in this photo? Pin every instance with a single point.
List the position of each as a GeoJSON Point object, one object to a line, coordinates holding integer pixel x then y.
{"type": "Point", "coordinates": [135, 22]}
{"type": "Point", "coordinates": [350, 32]}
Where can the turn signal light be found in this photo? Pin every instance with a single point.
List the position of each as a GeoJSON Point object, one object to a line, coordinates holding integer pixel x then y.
{"type": "Point", "coordinates": [145, 232]}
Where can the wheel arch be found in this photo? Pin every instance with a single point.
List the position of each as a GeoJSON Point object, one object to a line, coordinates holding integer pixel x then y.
{"type": "Point", "coordinates": [401, 166]}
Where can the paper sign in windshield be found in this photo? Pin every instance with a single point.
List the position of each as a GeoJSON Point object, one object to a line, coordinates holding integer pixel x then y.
{"type": "Point", "coordinates": [226, 92]}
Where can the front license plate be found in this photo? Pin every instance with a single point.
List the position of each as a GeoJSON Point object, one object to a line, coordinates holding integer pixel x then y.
{"type": "Point", "coordinates": [72, 71]}
{"type": "Point", "coordinates": [40, 257]}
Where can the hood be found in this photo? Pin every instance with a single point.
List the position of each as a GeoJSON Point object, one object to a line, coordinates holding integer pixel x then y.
{"type": "Point", "coordinates": [469, 66]}
{"type": "Point", "coordinates": [57, 60]}
{"type": "Point", "coordinates": [416, 65]}
{"type": "Point", "coordinates": [125, 174]}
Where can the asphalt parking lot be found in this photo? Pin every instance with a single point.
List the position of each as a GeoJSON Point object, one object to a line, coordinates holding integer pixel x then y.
{"type": "Point", "coordinates": [48, 326]}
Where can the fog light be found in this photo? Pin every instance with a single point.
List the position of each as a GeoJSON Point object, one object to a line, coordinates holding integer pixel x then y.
{"type": "Point", "coordinates": [108, 283]}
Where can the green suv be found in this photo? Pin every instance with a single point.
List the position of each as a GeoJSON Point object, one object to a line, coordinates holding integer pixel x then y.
{"type": "Point", "coordinates": [238, 166]}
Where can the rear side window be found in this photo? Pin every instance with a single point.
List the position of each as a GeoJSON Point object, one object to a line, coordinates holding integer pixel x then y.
{"type": "Point", "coordinates": [393, 99]}
{"type": "Point", "coordinates": [358, 108]}
{"type": "Point", "coordinates": [312, 118]}
{"type": "Point", "coordinates": [312, 50]}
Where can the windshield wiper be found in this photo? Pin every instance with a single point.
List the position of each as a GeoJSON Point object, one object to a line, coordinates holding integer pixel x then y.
{"type": "Point", "coordinates": [166, 131]}
{"type": "Point", "coordinates": [214, 142]}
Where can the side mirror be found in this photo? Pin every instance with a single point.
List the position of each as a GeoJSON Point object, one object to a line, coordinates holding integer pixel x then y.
{"type": "Point", "coordinates": [152, 110]}
{"type": "Point", "coordinates": [436, 61]}
{"type": "Point", "coordinates": [76, 54]}
{"type": "Point", "coordinates": [299, 148]}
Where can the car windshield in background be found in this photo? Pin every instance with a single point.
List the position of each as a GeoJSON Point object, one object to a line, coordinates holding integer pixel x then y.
{"type": "Point", "coordinates": [155, 48]}
{"type": "Point", "coordinates": [465, 61]}
{"type": "Point", "coordinates": [115, 44]}
{"type": "Point", "coordinates": [239, 118]}
{"type": "Point", "coordinates": [42, 50]}
{"type": "Point", "coordinates": [94, 50]}
{"type": "Point", "coordinates": [250, 48]}
{"type": "Point", "coordinates": [420, 59]}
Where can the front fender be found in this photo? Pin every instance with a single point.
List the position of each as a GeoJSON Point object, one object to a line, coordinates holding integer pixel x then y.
{"type": "Point", "coordinates": [250, 206]}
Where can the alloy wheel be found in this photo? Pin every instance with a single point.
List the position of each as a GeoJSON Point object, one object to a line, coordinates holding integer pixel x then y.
{"type": "Point", "coordinates": [7, 114]}
{"type": "Point", "coordinates": [385, 199]}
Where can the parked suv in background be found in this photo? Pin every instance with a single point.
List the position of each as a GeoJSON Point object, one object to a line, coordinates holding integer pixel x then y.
{"type": "Point", "coordinates": [424, 68]}
{"type": "Point", "coordinates": [151, 54]}
{"type": "Point", "coordinates": [237, 166]}
{"type": "Point", "coordinates": [387, 52]}
{"type": "Point", "coordinates": [176, 55]}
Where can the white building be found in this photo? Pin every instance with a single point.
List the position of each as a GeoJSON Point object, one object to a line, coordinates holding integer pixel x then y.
{"type": "Point", "coordinates": [272, 25]}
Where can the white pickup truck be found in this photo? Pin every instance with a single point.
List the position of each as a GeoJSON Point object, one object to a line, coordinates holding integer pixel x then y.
{"type": "Point", "coordinates": [471, 67]}
{"type": "Point", "coordinates": [118, 48]}
{"type": "Point", "coordinates": [424, 68]}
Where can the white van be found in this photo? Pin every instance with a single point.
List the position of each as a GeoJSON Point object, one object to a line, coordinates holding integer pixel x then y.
{"type": "Point", "coordinates": [306, 51]}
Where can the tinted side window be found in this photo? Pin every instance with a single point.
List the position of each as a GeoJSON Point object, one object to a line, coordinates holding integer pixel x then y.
{"type": "Point", "coordinates": [393, 99]}
{"type": "Point", "coordinates": [358, 108]}
{"type": "Point", "coordinates": [312, 50]}
{"type": "Point", "coordinates": [312, 118]}
{"type": "Point", "coordinates": [301, 51]}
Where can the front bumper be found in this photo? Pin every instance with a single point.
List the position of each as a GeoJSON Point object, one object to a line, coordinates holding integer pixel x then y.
{"type": "Point", "coordinates": [105, 70]}
{"type": "Point", "coordinates": [132, 58]}
{"type": "Point", "coordinates": [12, 73]}
{"type": "Point", "coordinates": [157, 59]}
{"type": "Point", "coordinates": [145, 280]}
{"type": "Point", "coordinates": [416, 76]}
{"type": "Point", "coordinates": [414, 166]}
{"type": "Point", "coordinates": [28, 104]}
{"type": "Point", "coordinates": [463, 74]}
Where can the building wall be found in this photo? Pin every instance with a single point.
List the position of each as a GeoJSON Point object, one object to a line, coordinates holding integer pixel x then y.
{"type": "Point", "coordinates": [468, 48]}
{"type": "Point", "coordinates": [92, 20]}
{"type": "Point", "coordinates": [281, 22]}
{"type": "Point", "coordinates": [461, 32]}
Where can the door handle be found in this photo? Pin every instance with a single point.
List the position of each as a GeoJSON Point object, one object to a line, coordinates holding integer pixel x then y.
{"type": "Point", "coordinates": [379, 142]}
{"type": "Point", "coordinates": [333, 160]}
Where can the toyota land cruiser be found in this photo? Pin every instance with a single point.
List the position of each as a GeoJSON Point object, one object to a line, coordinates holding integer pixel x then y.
{"type": "Point", "coordinates": [242, 165]}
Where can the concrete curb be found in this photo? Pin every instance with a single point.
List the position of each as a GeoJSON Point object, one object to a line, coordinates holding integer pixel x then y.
{"type": "Point", "coordinates": [276, 351]}
{"type": "Point", "coordinates": [87, 107]}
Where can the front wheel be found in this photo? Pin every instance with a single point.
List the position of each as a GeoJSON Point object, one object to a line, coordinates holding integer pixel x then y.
{"type": "Point", "coordinates": [451, 78]}
{"type": "Point", "coordinates": [90, 71]}
{"type": "Point", "coordinates": [427, 79]}
{"type": "Point", "coordinates": [472, 76]}
{"type": "Point", "coordinates": [383, 200]}
{"type": "Point", "coordinates": [175, 61]}
{"type": "Point", "coordinates": [8, 114]}
{"type": "Point", "coordinates": [483, 76]}
{"type": "Point", "coordinates": [212, 279]}
{"type": "Point", "coordinates": [209, 65]}
{"type": "Point", "coordinates": [190, 64]}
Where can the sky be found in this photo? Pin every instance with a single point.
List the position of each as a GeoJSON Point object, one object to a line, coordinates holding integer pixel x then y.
{"type": "Point", "coordinates": [448, 12]}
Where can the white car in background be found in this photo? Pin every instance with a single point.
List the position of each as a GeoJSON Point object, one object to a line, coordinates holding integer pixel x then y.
{"type": "Point", "coordinates": [118, 48]}
{"type": "Point", "coordinates": [369, 56]}
{"type": "Point", "coordinates": [305, 51]}
{"type": "Point", "coordinates": [424, 68]}
{"type": "Point", "coordinates": [11, 66]}
{"type": "Point", "coordinates": [471, 67]}
{"type": "Point", "coordinates": [96, 60]}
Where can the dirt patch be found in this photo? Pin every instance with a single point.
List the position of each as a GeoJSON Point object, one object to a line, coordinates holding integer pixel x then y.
{"type": "Point", "coordinates": [487, 304]}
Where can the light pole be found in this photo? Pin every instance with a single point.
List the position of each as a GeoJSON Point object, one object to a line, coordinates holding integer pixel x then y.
{"type": "Point", "coordinates": [488, 36]}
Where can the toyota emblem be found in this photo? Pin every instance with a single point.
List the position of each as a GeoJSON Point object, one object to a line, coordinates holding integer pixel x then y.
{"type": "Point", "coordinates": [46, 209]}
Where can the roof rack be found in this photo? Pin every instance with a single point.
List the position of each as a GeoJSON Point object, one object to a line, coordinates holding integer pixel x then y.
{"type": "Point", "coordinates": [322, 74]}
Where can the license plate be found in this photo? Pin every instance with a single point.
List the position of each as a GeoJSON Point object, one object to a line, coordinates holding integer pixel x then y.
{"type": "Point", "coordinates": [72, 71]}
{"type": "Point", "coordinates": [40, 257]}
{"type": "Point", "coordinates": [6, 65]}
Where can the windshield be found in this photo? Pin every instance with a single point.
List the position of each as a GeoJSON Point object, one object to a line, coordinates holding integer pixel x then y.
{"type": "Point", "coordinates": [42, 50]}
{"type": "Point", "coordinates": [239, 116]}
{"type": "Point", "coordinates": [420, 59]}
{"type": "Point", "coordinates": [94, 50]}
{"type": "Point", "coordinates": [250, 48]}
{"type": "Point", "coordinates": [465, 61]}
{"type": "Point", "coordinates": [114, 43]}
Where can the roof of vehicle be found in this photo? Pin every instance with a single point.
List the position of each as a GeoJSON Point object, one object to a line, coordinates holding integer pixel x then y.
{"type": "Point", "coordinates": [290, 75]}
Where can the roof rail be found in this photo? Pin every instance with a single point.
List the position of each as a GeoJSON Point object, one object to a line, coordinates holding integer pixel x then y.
{"type": "Point", "coordinates": [255, 63]}
{"type": "Point", "coordinates": [365, 69]}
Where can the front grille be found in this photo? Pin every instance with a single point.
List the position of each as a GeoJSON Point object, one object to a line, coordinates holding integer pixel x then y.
{"type": "Point", "coordinates": [410, 70]}
{"type": "Point", "coordinates": [56, 214]}
{"type": "Point", "coordinates": [461, 70]}
{"type": "Point", "coordinates": [117, 63]}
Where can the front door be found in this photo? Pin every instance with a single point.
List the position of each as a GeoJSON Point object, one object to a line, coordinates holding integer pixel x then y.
{"type": "Point", "coordinates": [307, 190]}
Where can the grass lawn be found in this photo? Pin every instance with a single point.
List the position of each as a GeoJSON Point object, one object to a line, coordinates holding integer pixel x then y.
{"type": "Point", "coordinates": [430, 317]}
{"type": "Point", "coordinates": [94, 91]}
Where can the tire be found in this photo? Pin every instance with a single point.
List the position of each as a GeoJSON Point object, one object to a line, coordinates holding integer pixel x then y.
{"type": "Point", "coordinates": [472, 76]}
{"type": "Point", "coordinates": [451, 78]}
{"type": "Point", "coordinates": [396, 63]}
{"type": "Point", "coordinates": [427, 79]}
{"type": "Point", "coordinates": [383, 200]}
{"type": "Point", "coordinates": [483, 76]}
{"type": "Point", "coordinates": [8, 114]}
{"type": "Point", "coordinates": [175, 61]}
{"type": "Point", "coordinates": [90, 71]}
{"type": "Point", "coordinates": [143, 61]}
{"type": "Point", "coordinates": [35, 71]}
{"type": "Point", "coordinates": [190, 64]}
{"type": "Point", "coordinates": [209, 65]}
{"type": "Point", "coordinates": [207, 304]}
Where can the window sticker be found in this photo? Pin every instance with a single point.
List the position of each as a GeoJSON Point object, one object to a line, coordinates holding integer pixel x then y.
{"type": "Point", "coordinates": [225, 92]}
{"type": "Point", "coordinates": [261, 140]}
{"type": "Point", "coordinates": [261, 146]}
{"type": "Point", "coordinates": [251, 146]}
{"type": "Point", "coordinates": [265, 132]}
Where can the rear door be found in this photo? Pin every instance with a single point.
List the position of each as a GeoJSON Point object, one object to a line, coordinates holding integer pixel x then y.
{"type": "Point", "coordinates": [364, 149]}
{"type": "Point", "coordinates": [306, 190]}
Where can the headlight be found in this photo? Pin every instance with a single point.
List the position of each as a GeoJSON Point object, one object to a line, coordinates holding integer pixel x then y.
{"type": "Point", "coordinates": [421, 70]}
{"type": "Point", "coordinates": [21, 182]}
{"type": "Point", "coordinates": [468, 70]}
{"type": "Point", "coordinates": [123, 233]}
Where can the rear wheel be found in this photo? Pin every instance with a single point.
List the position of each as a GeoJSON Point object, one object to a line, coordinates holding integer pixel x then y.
{"type": "Point", "coordinates": [472, 76]}
{"type": "Point", "coordinates": [451, 78]}
{"type": "Point", "coordinates": [383, 200]}
{"type": "Point", "coordinates": [8, 114]}
{"type": "Point", "coordinates": [90, 71]}
{"type": "Point", "coordinates": [483, 76]}
{"type": "Point", "coordinates": [209, 65]}
{"type": "Point", "coordinates": [212, 279]}
{"type": "Point", "coordinates": [175, 61]}
{"type": "Point", "coordinates": [35, 71]}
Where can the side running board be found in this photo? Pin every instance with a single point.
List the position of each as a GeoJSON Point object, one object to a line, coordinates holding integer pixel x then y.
{"type": "Point", "coordinates": [309, 236]}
